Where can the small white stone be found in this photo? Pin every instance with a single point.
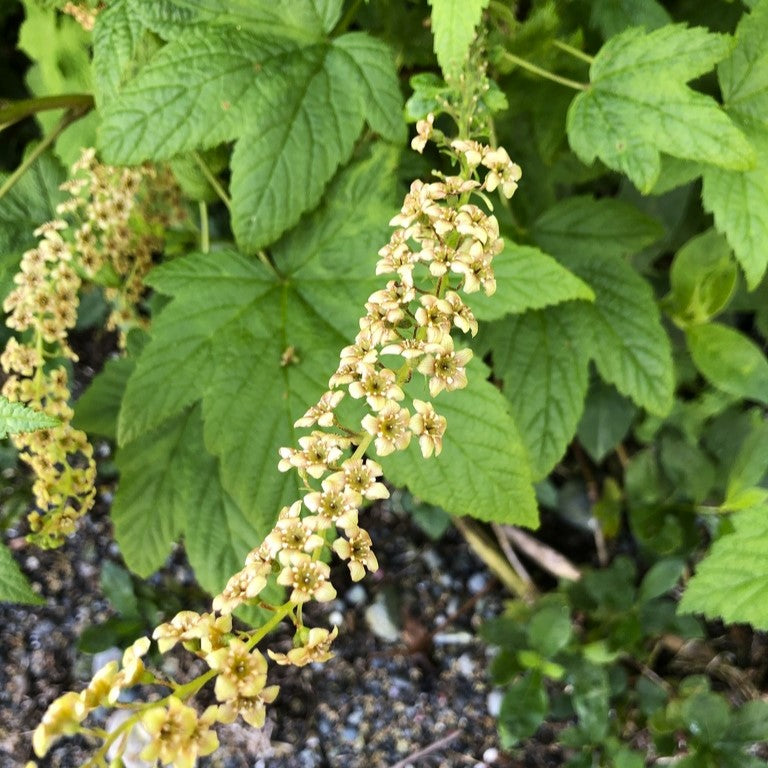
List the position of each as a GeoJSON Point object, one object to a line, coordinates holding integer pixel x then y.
{"type": "Point", "coordinates": [491, 755]}
{"type": "Point", "coordinates": [356, 595]}
{"type": "Point", "coordinates": [380, 622]}
{"type": "Point", "coordinates": [102, 658]}
{"type": "Point", "coordinates": [453, 638]}
{"type": "Point", "coordinates": [432, 559]}
{"type": "Point", "coordinates": [336, 618]}
{"type": "Point", "coordinates": [477, 582]}
{"type": "Point", "coordinates": [494, 702]}
{"type": "Point", "coordinates": [465, 665]}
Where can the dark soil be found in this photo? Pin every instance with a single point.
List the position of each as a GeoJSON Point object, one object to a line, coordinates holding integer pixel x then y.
{"type": "Point", "coordinates": [401, 682]}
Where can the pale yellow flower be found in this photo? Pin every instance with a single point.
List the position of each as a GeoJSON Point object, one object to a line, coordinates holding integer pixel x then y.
{"type": "Point", "coordinates": [309, 579]}
{"type": "Point", "coordinates": [389, 427]}
{"type": "Point", "coordinates": [244, 585]}
{"type": "Point", "coordinates": [423, 133]}
{"type": "Point", "coordinates": [175, 732]}
{"type": "Point", "coordinates": [322, 412]}
{"type": "Point", "coordinates": [429, 427]}
{"type": "Point", "coordinates": [360, 475]}
{"type": "Point", "coordinates": [241, 672]}
{"type": "Point", "coordinates": [445, 367]}
{"type": "Point", "coordinates": [62, 718]}
{"type": "Point", "coordinates": [377, 387]}
{"type": "Point", "coordinates": [251, 709]}
{"type": "Point", "coordinates": [316, 648]}
{"type": "Point", "coordinates": [357, 549]}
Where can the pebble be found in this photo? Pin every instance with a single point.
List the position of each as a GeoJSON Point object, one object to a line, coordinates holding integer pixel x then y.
{"type": "Point", "coordinates": [477, 582]}
{"type": "Point", "coordinates": [466, 666]}
{"type": "Point", "coordinates": [494, 702]}
{"type": "Point", "coordinates": [356, 595]}
{"type": "Point", "coordinates": [335, 618]}
{"type": "Point", "coordinates": [380, 622]}
{"type": "Point", "coordinates": [103, 658]}
{"type": "Point", "coordinates": [432, 559]}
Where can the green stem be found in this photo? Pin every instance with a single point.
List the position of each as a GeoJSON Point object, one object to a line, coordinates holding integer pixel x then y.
{"type": "Point", "coordinates": [347, 18]}
{"type": "Point", "coordinates": [545, 73]}
{"type": "Point", "coordinates": [495, 561]}
{"type": "Point", "coordinates": [69, 118]}
{"type": "Point", "coordinates": [205, 235]}
{"type": "Point", "coordinates": [501, 10]}
{"type": "Point", "coordinates": [264, 259]}
{"type": "Point", "coordinates": [575, 52]}
{"type": "Point", "coordinates": [213, 181]}
{"type": "Point", "coordinates": [18, 110]}
{"type": "Point", "coordinates": [191, 688]}
{"type": "Point", "coordinates": [263, 631]}
{"type": "Point", "coordinates": [362, 447]}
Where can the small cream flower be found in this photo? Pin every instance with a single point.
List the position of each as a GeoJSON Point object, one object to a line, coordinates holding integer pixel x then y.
{"type": "Point", "coordinates": [179, 737]}
{"type": "Point", "coordinates": [377, 387]}
{"type": "Point", "coordinates": [319, 451]}
{"type": "Point", "coordinates": [472, 150]}
{"type": "Point", "coordinates": [241, 672]}
{"type": "Point", "coordinates": [360, 477]}
{"type": "Point", "coordinates": [133, 666]}
{"type": "Point", "coordinates": [429, 427]}
{"type": "Point", "coordinates": [423, 133]}
{"type": "Point", "coordinates": [390, 428]}
{"type": "Point", "coordinates": [335, 505]}
{"type": "Point", "coordinates": [292, 534]}
{"type": "Point", "coordinates": [252, 709]}
{"type": "Point", "coordinates": [357, 549]}
{"type": "Point", "coordinates": [308, 578]}
{"type": "Point", "coordinates": [445, 367]}
{"type": "Point", "coordinates": [189, 626]}
{"type": "Point", "coordinates": [245, 585]}
{"type": "Point", "coordinates": [322, 412]}
{"type": "Point", "coordinates": [62, 718]}
{"type": "Point", "coordinates": [435, 315]}
{"type": "Point", "coordinates": [463, 318]}
{"type": "Point", "coordinates": [316, 648]}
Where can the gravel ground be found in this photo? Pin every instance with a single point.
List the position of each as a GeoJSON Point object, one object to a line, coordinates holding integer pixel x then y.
{"type": "Point", "coordinates": [408, 672]}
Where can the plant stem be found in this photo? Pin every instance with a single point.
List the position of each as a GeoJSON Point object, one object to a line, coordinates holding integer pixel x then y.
{"type": "Point", "coordinates": [545, 73]}
{"type": "Point", "coordinates": [264, 630]}
{"type": "Point", "coordinates": [575, 52]}
{"type": "Point", "coordinates": [501, 10]}
{"type": "Point", "coordinates": [191, 688]}
{"type": "Point", "coordinates": [69, 118]}
{"type": "Point", "coordinates": [493, 559]}
{"type": "Point", "coordinates": [347, 18]}
{"type": "Point", "coordinates": [18, 110]}
{"type": "Point", "coordinates": [205, 235]}
{"type": "Point", "coordinates": [213, 181]}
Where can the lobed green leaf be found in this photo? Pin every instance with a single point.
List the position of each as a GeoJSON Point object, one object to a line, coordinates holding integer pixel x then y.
{"type": "Point", "coordinates": [224, 337]}
{"type": "Point", "coordinates": [729, 360]}
{"type": "Point", "coordinates": [542, 357]}
{"type": "Point", "coordinates": [732, 581]}
{"type": "Point", "coordinates": [526, 278]}
{"type": "Point", "coordinates": [483, 470]}
{"type": "Point", "coordinates": [14, 587]}
{"type": "Point", "coordinates": [638, 105]}
{"type": "Point", "coordinates": [453, 27]}
{"type": "Point", "coordinates": [585, 225]}
{"type": "Point", "coordinates": [16, 418]}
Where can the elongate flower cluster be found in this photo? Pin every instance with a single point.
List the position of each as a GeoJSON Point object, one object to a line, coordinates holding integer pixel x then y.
{"type": "Point", "coordinates": [106, 232]}
{"type": "Point", "coordinates": [443, 246]}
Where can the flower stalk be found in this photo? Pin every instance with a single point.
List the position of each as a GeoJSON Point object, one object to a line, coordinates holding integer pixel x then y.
{"type": "Point", "coordinates": [442, 247]}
